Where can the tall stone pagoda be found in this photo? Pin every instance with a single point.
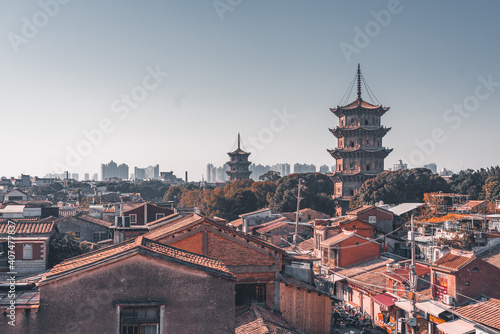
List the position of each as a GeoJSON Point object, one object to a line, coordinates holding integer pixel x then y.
{"type": "Point", "coordinates": [359, 154]}
{"type": "Point", "coordinates": [238, 164]}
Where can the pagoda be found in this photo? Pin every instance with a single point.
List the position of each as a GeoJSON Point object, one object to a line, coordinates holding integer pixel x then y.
{"type": "Point", "coordinates": [238, 164]}
{"type": "Point", "coordinates": [359, 154]}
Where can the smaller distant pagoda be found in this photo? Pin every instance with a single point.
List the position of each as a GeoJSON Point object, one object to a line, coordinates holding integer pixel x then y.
{"type": "Point", "coordinates": [238, 164]}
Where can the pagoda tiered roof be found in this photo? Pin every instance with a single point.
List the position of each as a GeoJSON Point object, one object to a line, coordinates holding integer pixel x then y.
{"type": "Point", "coordinates": [359, 105]}
{"type": "Point", "coordinates": [338, 152]}
{"type": "Point", "coordinates": [340, 132]}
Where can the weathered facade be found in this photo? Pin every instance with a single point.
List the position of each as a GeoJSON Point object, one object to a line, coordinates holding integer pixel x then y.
{"type": "Point", "coordinates": [138, 286]}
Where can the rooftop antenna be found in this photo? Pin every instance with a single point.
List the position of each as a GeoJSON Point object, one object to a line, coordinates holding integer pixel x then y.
{"type": "Point", "coordinates": [359, 82]}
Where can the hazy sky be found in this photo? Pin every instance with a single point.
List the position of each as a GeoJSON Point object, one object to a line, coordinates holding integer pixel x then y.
{"type": "Point", "coordinates": [173, 82]}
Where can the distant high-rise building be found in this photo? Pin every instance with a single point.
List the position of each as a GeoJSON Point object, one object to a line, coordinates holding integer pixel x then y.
{"type": "Point", "coordinates": [86, 177]}
{"type": "Point", "coordinates": [324, 169]}
{"type": "Point", "coordinates": [283, 169]}
{"type": "Point", "coordinates": [238, 164]}
{"type": "Point", "coordinates": [95, 177]}
{"type": "Point", "coordinates": [399, 166]}
{"type": "Point", "coordinates": [112, 170]}
{"type": "Point", "coordinates": [75, 176]}
{"type": "Point", "coordinates": [432, 167]}
{"type": "Point", "coordinates": [150, 172]}
{"type": "Point", "coordinates": [208, 175]}
{"type": "Point", "coordinates": [304, 168]}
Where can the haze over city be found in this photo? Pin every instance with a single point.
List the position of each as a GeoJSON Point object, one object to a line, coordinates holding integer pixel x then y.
{"type": "Point", "coordinates": [177, 88]}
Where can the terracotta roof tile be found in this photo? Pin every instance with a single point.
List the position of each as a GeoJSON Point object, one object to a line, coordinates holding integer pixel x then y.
{"type": "Point", "coordinates": [22, 227]}
{"type": "Point", "coordinates": [109, 254]}
{"type": "Point", "coordinates": [253, 319]}
{"type": "Point", "coordinates": [94, 220]}
{"type": "Point", "coordinates": [455, 260]}
{"type": "Point", "coordinates": [486, 313]}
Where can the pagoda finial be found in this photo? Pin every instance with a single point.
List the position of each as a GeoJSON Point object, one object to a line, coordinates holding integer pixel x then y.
{"type": "Point", "coordinates": [359, 82]}
{"type": "Point", "coordinates": [238, 140]}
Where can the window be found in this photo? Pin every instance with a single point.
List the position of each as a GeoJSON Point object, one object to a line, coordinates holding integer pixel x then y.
{"type": "Point", "coordinates": [133, 219]}
{"type": "Point", "coordinates": [367, 167]}
{"type": "Point", "coordinates": [395, 287]}
{"type": "Point", "coordinates": [160, 216]}
{"type": "Point", "coordinates": [352, 144]}
{"type": "Point", "coordinates": [139, 320]}
{"type": "Point", "coordinates": [99, 236]}
{"type": "Point", "coordinates": [308, 217]}
{"type": "Point", "coordinates": [27, 252]}
{"type": "Point", "coordinates": [475, 269]}
{"type": "Point", "coordinates": [366, 122]}
{"type": "Point", "coordinates": [247, 294]}
{"type": "Point", "coordinates": [351, 192]}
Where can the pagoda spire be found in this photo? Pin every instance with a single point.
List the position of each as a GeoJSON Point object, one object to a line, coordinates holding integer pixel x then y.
{"type": "Point", "coordinates": [359, 82]}
{"type": "Point", "coordinates": [238, 140]}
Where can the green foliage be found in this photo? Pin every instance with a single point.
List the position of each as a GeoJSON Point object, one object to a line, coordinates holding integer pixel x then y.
{"type": "Point", "coordinates": [470, 182]}
{"type": "Point", "coordinates": [47, 189]}
{"type": "Point", "coordinates": [270, 176]}
{"type": "Point", "coordinates": [401, 186]}
{"type": "Point", "coordinates": [316, 193]}
{"type": "Point", "coordinates": [264, 191]}
{"type": "Point", "coordinates": [63, 246]}
{"type": "Point", "coordinates": [149, 190]}
{"type": "Point", "coordinates": [491, 188]}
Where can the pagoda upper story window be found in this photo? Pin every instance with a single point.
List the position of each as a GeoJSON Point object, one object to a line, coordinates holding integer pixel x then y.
{"type": "Point", "coordinates": [366, 122]}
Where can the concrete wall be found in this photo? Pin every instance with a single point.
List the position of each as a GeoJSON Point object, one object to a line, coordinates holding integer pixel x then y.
{"type": "Point", "coordinates": [195, 302]}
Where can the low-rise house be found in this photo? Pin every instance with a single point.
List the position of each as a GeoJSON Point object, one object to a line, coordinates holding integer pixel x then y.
{"type": "Point", "coordinates": [255, 262]}
{"type": "Point", "coordinates": [460, 274]}
{"type": "Point", "coordinates": [31, 238]}
{"type": "Point", "coordinates": [473, 207]}
{"type": "Point", "coordinates": [179, 292]}
{"type": "Point", "coordinates": [86, 228]}
{"type": "Point", "coordinates": [486, 312]}
{"type": "Point", "coordinates": [383, 219]}
{"type": "Point", "coordinates": [144, 213]}
{"type": "Point", "coordinates": [281, 231]}
{"type": "Point", "coordinates": [347, 248]}
{"type": "Point", "coordinates": [257, 319]}
{"type": "Point", "coordinates": [250, 219]}
{"type": "Point", "coordinates": [306, 215]}
{"type": "Point", "coordinates": [16, 195]}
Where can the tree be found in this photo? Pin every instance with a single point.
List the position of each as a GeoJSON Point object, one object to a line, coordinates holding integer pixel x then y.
{"type": "Point", "coordinates": [491, 188]}
{"type": "Point", "coordinates": [243, 201]}
{"type": "Point", "coordinates": [65, 245]}
{"type": "Point", "coordinates": [264, 190]}
{"type": "Point", "coordinates": [316, 193]}
{"type": "Point", "coordinates": [402, 186]}
{"type": "Point", "coordinates": [270, 176]}
{"type": "Point", "coordinates": [173, 194]}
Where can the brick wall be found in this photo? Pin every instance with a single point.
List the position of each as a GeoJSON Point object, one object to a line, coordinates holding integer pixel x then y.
{"type": "Point", "coordinates": [356, 253]}
{"type": "Point", "coordinates": [193, 243]}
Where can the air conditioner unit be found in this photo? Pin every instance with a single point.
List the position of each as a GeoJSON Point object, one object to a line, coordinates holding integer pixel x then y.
{"type": "Point", "coordinates": [447, 299]}
{"type": "Point", "coordinates": [126, 221]}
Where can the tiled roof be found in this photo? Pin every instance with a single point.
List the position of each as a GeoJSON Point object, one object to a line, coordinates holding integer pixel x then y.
{"type": "Point", "coordinates": [253, 319]}
{"type": "Point", "coordinates": [402, 274]}
{"type": "Point", "coordinates": [373, 280]}
{"type": "Point", "coordinates": [111, 253]}
{"type": "Point", "coordinates": [195, 219]}
{"type": "Point", "coordinates": [341, 237]}
{"type": "Point", "coordinates": [93, 220]}
{"type": "Point", "coordinates": [359, 209]}
{"type": "Point", "coordinates": [486, 313]}
{"type": "Point", "coordinates": [361, 103]}
{"type": "Point", "coordinates": [176, 224]}
{"type": "Point", "coordinates": [306, 245]}
{"type": "Point", "coordinates": [364, 266]}
{"type": "Point", "coordinates": [24, 299]}
{"type": "Point", "coordinates": [277, 223]}
{"type": "Point", "coordinates": [162, 221]}
{"type": "Point", "coordinates": [254, 212]}
{"type": "Point", "coordinates": [455, 260]}
{"type": "Point", "coordinates": [236, 223]}
{"type": "Point", "coordinates": [470, 205]}
{"type": "Point", "coordinates": [492, 255]}
{"type": "Point", "coordinates": [26, 227]}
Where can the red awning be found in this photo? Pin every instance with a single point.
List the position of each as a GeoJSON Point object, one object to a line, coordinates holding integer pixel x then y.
{"type": "Point", "coordinates": [385, 300]}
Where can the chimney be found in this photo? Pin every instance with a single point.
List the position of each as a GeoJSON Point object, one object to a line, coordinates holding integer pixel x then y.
{"type": "Point", "coordinates": [186, 178]}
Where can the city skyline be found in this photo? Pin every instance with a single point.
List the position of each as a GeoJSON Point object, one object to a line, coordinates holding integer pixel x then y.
{"type": "Point", "coordinates": [192, 85]}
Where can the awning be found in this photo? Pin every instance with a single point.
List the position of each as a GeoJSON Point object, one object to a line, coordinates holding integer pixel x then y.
{"type": "Point", "coordinates": [384, 300]}
{"type": "Point", "coordinates": [432, 308]}
{"type": "Point", "coordinates": [456, 327]}
{"type": "Point", "coordinates": [404, 305]}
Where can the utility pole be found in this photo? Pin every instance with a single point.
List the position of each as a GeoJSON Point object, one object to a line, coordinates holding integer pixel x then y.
{"type": "Point", "coordinates": [412, 320]}
{"type": "Point", "coordinates": [296, 236]}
